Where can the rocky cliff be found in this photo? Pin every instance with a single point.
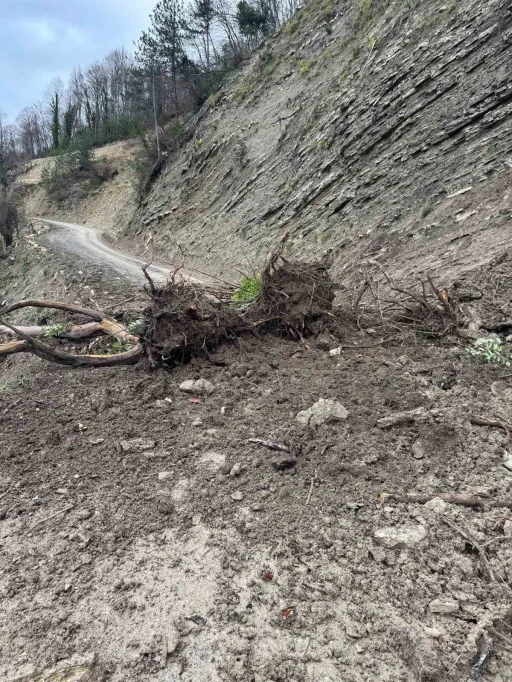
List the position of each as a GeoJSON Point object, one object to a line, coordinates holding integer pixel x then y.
{"type": "Point", "coordinates": [368, 128]}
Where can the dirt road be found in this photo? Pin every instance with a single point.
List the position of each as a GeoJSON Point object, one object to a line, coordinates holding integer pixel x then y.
{"type": "Point", "coordinates": [86, 243]}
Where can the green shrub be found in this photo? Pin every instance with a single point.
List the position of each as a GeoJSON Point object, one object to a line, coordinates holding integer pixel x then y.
{"type": "Point", "coordinates": [53, 331]}
{"type": "Point", "coordinates": [490, 351]}
{"type": "Point", "coordinates": [249, 290]}
{"type": "Point", "coordinates": [304, 67]}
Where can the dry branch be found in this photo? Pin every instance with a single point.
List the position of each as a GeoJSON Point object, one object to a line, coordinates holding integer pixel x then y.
{"type": "Point", "coordinates": [104, 324]}
{"type": "Point", "coordinates": [452, 498]}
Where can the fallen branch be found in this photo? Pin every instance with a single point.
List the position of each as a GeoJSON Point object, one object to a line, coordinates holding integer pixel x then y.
{"type": "Point", "coordinates": [269, 444]}
{"type": "Point", "coordinates": [484, 421]}
{"type": "Point", "coordinates": [311, 488]}
{"type": "Point", "coordinates": [55, 305]}
{"type": "Point", "coordinates": [104, 324]}
{"type": "Point", "coordinates": [474, 543]}
{"type": "Point", "coordinates": [479, 667]}
{"type": "Point", "coordinates": [452, 498]}
{"type": "Point", "coordinates": [52, 516]}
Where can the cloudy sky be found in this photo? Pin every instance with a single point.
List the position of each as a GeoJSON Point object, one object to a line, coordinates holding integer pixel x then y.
{"type": "Point", "coordinates": [40, 39]}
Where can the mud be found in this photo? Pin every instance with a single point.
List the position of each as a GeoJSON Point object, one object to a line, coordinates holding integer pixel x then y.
{"type": "Point", "coordinates": [155, 559]}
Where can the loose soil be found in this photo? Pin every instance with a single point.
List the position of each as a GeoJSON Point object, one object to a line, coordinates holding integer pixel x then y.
{"type": "Point", "coordinates": [194, 554]}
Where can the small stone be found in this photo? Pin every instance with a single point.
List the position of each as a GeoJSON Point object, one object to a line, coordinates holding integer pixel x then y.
{"type": "Point", "coordinates": [335, 351]}
{"type": "Point", "coordinates": [137, 445]}
{"type": "Point", "coordinates": [83, 514]}
{"type": "Point", "coordinates": [62, 491]}
{"type": "Point", "coordinates": [322, 412]}
{"type": "Point", "coordinates": [507, 462]}
{"type": "Point", "coordinates": [86, 560]}
{"type": "Point", "coordinates": [96, 441]}
{"type": "Point", "coordinates": [165, 475]}
{"type": "Point", "coordinates": [437, 505]}
{"type": "Point", "coordinates": [199, 387]}
{"type": "Point", "coordinates": [256, 507]}
{"type": "Point", "coordinates": [445, 606]}
{"type": "Point", "coordinates": [3, 514]}
{"type": "Point", "coordinates": [196, 519]}
{"type": "Point", "coordinates": [237, 496]}
{"type": "Point", "coordinates": [197, 422]}
{"type": "Point", "coordinates": [395, 420]}
{"type": "Point", "coordinates": [284, 462]}
{"type": "Point", "coordinates": [164, 404]}
{"type": "Point", "coordinates": [212, 460]}
{"type": "Point", "coordinates": [236, 470]}
{"type": "Point", "coordinates": [400, 538]}
{"type": "Point", "coordinates": [324, 341]}
{"type": "Point", "coordinates": [418, 451]}
{"type": "Point", "coordinates": [507, 529]}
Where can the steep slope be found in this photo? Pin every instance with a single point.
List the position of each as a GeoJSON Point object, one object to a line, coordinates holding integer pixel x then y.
{"type": "Point", "coordinates": [362, 126]}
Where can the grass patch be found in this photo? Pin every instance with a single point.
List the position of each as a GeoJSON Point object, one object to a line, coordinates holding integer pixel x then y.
{"type": "Point", "coordinates": [249, 290]}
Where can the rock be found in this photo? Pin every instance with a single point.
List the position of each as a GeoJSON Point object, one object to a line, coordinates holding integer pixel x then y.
{"type": "Point", "coordinates": [322, 412]}
{"type": "Point", "coordinates": [196, 519]}
{"type": "Point", "coordinates": [164, 404]}
{"type": "Point", "coordinates": [444, 606]}
{"type": "Point", "coordinates": [324, 341]}
{"type": "Point", "coordinates": [199, 387]}
{"type": "Point", "coordinates": [165, 475]}
{"type": "Point", "coordinates": [507, 529]}
{"type": "Point", "coordinates": [180, 491]}
{"type": "Point", "coordinates": [236, 470]}
{"type": "Point", "coordinates": [212, 460]}
{"type": "Point", "coordinates": [96, 441]}
{"type": "Point", "coordinates": [237, 496]}
{"type": "Point", "coordinates": [137, 445]}
{"type": "Point", "coordinates": [395, 420]}
{"type": "Point", "coordinates": [335, 351]}
{"type": "Point", "coordinates": [83, 514]}
{"type": "Point", "coordinates": [62, 491]}
{"type": "Point", "coordinates": [436, 505]}
{"type": "Point", "coordinates": [197, 422]}
{"type": "Point", "coordinates": [418, 451]}
{"type": "Point", "coordinates": [507, 462]}
{"type": "Point", "coordinates": [400, 538]}
{"type": "Point", "coordinates": [284, 462]}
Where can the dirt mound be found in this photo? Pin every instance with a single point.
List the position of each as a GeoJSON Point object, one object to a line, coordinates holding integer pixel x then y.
{"type": "Point", "coordinates": [183, 321]}
{"type": "Point", "coordinates": [187, 319]}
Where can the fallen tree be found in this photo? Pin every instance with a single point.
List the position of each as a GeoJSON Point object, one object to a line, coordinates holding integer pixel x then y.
{"type": "Point", "coordinates": [30, 342]}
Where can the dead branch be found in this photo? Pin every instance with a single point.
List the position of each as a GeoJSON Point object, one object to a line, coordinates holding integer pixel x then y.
{"type": "Point", "coordinates": [485, 653]}
{"type": "Point", "coordinates": [29, 342]}
{"type": "Point", "coordinates": [451, 498]}
{"type": "Point", "coordinates": [269, 444]}
{"type": "Point", "coordinates": [476, 545]}
{"type": "Point", "coordinates": [47, 352]}
{"type": "Point", "coordinates": [56, 305]}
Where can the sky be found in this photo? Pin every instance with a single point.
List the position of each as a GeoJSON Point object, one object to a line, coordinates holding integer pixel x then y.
{"type": "Point", "coordinates": [42, 39]}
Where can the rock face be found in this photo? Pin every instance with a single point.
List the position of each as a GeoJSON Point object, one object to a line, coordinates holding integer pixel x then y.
{"type": "Point", "coordinates": [367, 131]}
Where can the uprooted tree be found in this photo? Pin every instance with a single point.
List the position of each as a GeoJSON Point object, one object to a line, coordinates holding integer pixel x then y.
{"type": "Point", "coordinates": [187, 318]}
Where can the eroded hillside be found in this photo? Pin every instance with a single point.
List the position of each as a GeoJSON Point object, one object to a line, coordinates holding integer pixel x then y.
{"type": "Point", "coordinates": [362, 127]}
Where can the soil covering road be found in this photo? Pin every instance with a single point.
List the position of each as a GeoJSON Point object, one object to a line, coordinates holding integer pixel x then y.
{"type": "Point", "coordinates": [144, 530]}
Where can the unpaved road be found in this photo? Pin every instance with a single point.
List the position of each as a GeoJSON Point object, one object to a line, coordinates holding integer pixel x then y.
{"type": "Point", "coordinates": [86, 243]}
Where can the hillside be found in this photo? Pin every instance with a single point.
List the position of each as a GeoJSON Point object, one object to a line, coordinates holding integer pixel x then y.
{"type": "Point", "coordinates": [361, 127]}
{"type": "Point", "coordinates": [328, 505]}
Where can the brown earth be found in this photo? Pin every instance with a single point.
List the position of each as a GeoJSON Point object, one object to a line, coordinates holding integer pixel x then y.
{"type": "Point", "coordinates": [154, 555]}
